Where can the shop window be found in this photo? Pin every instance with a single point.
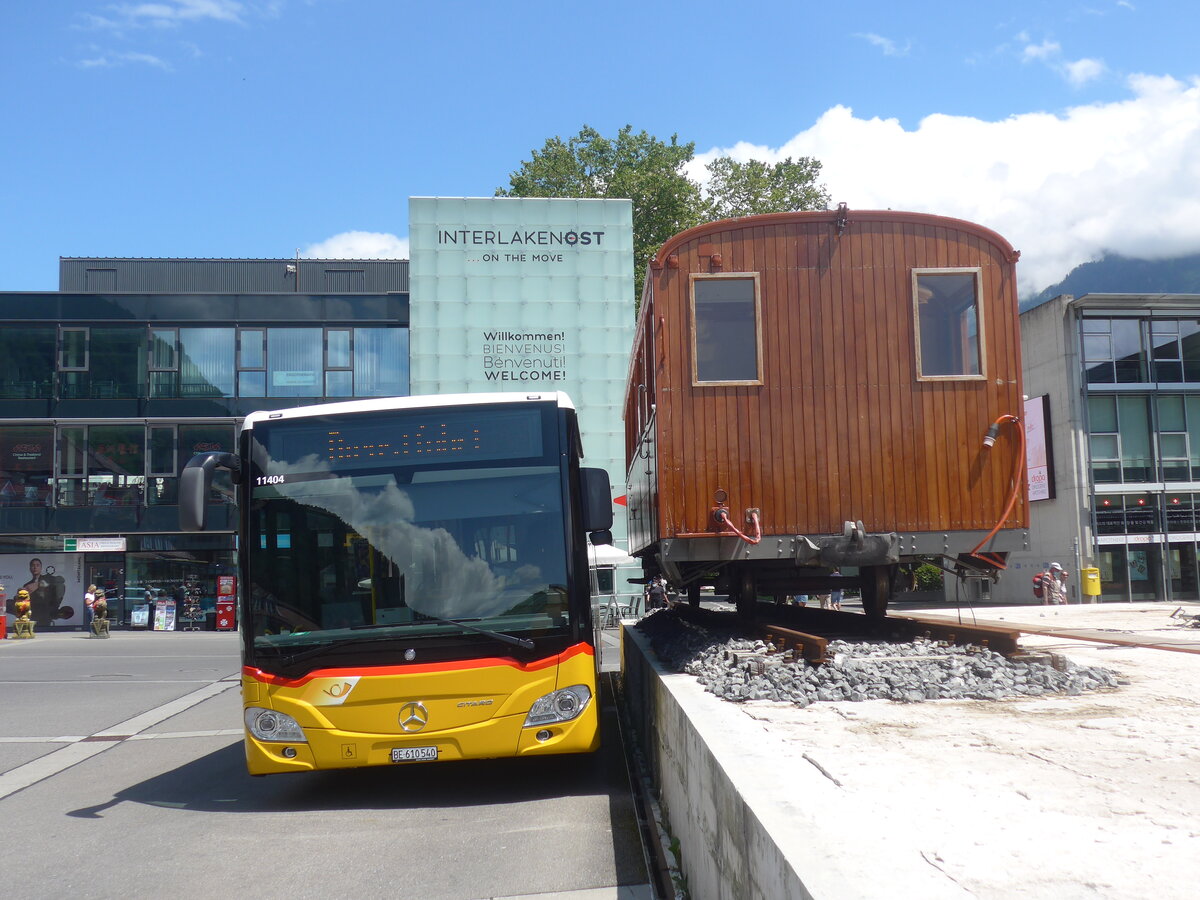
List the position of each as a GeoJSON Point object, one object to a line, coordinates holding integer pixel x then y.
{"type": "Point", "coordinates": [948, 324]}
{"type": "Point", "coordinates": [726, 334]}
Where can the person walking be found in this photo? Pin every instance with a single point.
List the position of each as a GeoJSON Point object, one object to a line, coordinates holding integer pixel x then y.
{"type": "Point", "coordinates": [1055, 586]}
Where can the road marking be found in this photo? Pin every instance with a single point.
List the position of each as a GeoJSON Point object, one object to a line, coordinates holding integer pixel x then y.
{"type": "Point", "coordinates": [86, 747]}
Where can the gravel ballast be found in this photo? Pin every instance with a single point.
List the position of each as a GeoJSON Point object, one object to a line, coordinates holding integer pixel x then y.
{"type": "Point", "coordinates": [738, 668]}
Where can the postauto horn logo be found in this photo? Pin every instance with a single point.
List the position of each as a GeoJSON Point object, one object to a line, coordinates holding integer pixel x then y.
{"type": "Point", "coordinates": [492, 237]}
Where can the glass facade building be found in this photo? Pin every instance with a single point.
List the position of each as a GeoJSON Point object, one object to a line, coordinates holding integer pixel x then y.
{"type": "Point", "coordinates": [105, 396]}
{"type": "Point", "coordinates": [1122, 374]}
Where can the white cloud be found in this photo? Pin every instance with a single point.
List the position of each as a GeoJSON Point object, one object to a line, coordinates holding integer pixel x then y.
{"type": "Point", "coordinates": [1121, 177]}
{"type": "Point", "coordinates": [1082, 71]}
{"type": "Point", "coordinates": [359, 245]}
{"type": "Point", "coordinates": [171, 13]}
{"type": "Point", "coordinates": [1077, 73]}
{"type": "Point", "coordinates": [887, 45]}
{"type": "Point", "coordinates": [111, 60]}
{"type": "Point", "coordinates": [1043, 51]}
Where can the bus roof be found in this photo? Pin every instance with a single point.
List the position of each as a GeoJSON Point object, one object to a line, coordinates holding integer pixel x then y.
{"type": "Point", "coordinates": [380, 404]}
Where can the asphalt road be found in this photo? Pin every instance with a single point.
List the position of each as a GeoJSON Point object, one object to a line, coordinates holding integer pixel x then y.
{"type": "Point", "coordinates": [122, 775]}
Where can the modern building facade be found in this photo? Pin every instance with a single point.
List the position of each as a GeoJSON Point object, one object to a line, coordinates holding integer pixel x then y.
{"type": "Point", "coordinates": [1121, 374]}
{"type": "Point", "coordinates": [108, 386]}
{"type": "Point", "coordinates": [111, 384]}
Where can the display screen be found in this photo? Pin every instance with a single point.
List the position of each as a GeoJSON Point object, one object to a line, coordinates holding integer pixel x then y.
{"type": "Point", "coordinates": [400, 439]}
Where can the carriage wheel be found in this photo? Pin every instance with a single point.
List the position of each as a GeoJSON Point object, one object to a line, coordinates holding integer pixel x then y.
{"type": "Point", "coordinates": [877, 590]}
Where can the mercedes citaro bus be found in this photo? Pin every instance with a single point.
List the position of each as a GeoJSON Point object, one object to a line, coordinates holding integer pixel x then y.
{"type": "Point", "coordinates": [414, 579]}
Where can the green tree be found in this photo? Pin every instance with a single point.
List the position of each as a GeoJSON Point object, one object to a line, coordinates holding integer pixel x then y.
{"type": "Point", "coordinates": [650, 172]}
{"type": "Point", "coordinates": [754, 187]}
{"type": "Point", "coordinates": [638, 167]}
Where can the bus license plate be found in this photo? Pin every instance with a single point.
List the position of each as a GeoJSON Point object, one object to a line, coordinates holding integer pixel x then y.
{"type": "Point", "coordinates": [414, 754]}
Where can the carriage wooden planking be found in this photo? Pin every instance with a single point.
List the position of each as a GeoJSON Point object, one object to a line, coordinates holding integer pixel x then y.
{"type": "Point", "coordinates": [802, 373]}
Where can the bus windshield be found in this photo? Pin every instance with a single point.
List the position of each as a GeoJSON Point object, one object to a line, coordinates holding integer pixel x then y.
{"type": "Point", "coordinates": [385, 525]}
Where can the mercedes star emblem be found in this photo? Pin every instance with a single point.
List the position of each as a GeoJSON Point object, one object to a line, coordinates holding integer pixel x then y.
{"type": "Point", "coordinates": [413, 717]}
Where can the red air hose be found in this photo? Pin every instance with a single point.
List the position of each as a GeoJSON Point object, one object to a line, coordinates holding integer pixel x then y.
{"type": "Point", "coordinates": [989, 441]}
{"type": "Point", "coordinates": [722, 515]}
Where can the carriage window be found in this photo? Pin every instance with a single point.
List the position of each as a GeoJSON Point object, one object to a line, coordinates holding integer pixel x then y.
{"type": "Point", "coordinates": [948, 323]}
{"type": "Point", "coordinates": [725, 323]}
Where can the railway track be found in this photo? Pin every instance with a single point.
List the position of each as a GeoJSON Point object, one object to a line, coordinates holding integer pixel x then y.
{"type": "Point", "coordinates": [806, 631]}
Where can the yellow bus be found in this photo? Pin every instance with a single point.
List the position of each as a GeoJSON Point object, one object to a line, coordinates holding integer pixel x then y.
{"type": "Point", "coordinates": [414, 579]}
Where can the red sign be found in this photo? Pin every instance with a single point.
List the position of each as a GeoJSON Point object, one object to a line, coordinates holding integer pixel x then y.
{"type": "Point", "coordinates": [226, 615]}
{"type": "Point", "coordinates": [226, 585]}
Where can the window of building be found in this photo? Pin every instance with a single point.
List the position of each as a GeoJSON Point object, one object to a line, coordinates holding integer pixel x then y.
{"type": "Point", "coordinates": [948, 324]}
{"type": "Point", "coordinates": [380, 362]}
{"type": "Point", "coordinates": [1173, 438]}
{"type": "Point", "coordinates": [27, 362]}
{"type": "Point", "coordinates": [1114, 352]}
{"type": "Point", "coordinates": [117, 366]}
{"type": "Point", "coordinates": [1120, 439]}
{"type": "Point", "coordinates": [72, 466]}
{"type": "Point", "coordinates": [294, 362]}
{"type": "Point", "coordinates": [1179, 512]}
{"type": "Point", "coordinates": [26, 465]}
{"type": "Point", "coordinates": [726, 338]}
{"type": "Point", "coordinates": [163, 359]}
{"type": "Point", "coordinates": [252, 362]}
{"type": "Point", "coordinates": [1127, 514]}
{"type": "Point", "coordinates": [339, 378]}
{"type": "Point", "coordinates": [206, 362]}
{"type": "Point", "coordinates": [1175, 350]}
{"type": "Point", "coordinates": [116, 458]}
{"type": "Point", "coordinates": [73, 350]}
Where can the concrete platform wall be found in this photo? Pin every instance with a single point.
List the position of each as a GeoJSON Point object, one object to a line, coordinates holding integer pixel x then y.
{"type": "Point", "coordinates": [753, 816]}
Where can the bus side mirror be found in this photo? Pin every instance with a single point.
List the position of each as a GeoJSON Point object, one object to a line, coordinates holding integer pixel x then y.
{"type": "Point", "coordinates": [597, 499]}
{"type": "Point", "coordinates": [196, 481]}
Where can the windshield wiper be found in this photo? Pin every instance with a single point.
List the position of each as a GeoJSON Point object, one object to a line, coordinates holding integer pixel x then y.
{"type": "Point", "coordinates": [523, 643]}
{"type": "Point", "coordinates": [291, 659]}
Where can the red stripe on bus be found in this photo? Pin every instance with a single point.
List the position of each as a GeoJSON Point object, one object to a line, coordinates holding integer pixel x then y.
{"type": "Point", "coordinates": [459, 665]}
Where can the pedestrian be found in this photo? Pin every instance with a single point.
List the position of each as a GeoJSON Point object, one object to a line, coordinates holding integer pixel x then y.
{"type": "Point", "coordinates": [89, 607]}
{"type": "Point", "coordinates": [1055, 586]}
{"type": "Point", "coordinates": [656, 594]}
{"type": "Point", "coordinates": [835, 596]}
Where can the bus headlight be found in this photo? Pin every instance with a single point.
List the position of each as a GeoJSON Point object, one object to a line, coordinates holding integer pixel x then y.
{"type": "Point", "coordinates": [269, 725]}
{"type": "Point", "coordinates": [560, 706]}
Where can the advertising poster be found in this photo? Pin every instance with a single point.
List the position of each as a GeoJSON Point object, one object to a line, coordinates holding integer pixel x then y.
{"type": "Point", "coordinates": [54, 582]}
{"type": "Point", "coordinates": [164, 615]}
{"type": "Point", "coordinates": [1037, 448]}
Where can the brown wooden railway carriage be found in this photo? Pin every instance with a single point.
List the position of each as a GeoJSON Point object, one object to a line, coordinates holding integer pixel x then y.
{"type": "Point", "coordinates": [827, 377]}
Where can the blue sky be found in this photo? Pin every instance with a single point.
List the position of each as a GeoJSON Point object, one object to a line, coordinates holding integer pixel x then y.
{"type": "Point", "coordinates": [258, 128]}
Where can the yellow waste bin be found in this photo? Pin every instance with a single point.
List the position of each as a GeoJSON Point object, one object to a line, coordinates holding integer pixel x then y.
{"type": "Point", "coordinates": [1091, 582]}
